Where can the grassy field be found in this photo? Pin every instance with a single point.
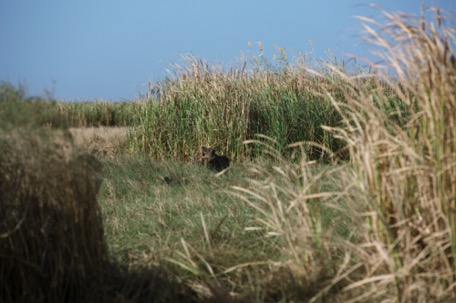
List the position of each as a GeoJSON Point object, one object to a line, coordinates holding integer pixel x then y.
{"type": "Point", "coordinates": [198, 224]}
{"type": "Point", "coordinates": [342, 186]}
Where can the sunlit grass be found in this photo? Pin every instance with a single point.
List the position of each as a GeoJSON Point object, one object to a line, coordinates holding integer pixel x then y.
{"type": "Point", "coordinates": [342, 187]}
{"type": "Point", "coordinates": [204, 105]}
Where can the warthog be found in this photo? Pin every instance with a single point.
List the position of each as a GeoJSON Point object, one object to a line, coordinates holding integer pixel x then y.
{"type": "Point", "coordinates": [214, 161]}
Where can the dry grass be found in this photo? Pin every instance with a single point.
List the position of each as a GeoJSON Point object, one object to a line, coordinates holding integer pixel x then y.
{"type": "Point", "coordinates": [51, 237]}
{"type": "Point", "coordinates": [402, 176]}
{"type": "Point", "coordinates": [101, 141]}
{"type": "Point", "coordinates": [407, 175]}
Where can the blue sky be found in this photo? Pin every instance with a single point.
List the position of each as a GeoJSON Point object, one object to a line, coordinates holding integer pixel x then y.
{"type": "Point", "coordinates": [111, 49]}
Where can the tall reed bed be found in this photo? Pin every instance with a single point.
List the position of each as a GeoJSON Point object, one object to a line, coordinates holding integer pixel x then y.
{"type": "Point", "coordinates": [399, 188]}
{"type": "Point", "coordinates": [205, 105]}
{"type": "Point", "coordinates": [47, 111]}
{"type": "Point", "coordinates": [16, 109]}
{"type": "Point", "coordinates": [96, 113]}
{"type": "Point", "coordinates": [408, 175]}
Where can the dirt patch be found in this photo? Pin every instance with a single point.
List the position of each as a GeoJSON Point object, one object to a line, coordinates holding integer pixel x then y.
{"type": "Point", "coordinates": [106, 141]}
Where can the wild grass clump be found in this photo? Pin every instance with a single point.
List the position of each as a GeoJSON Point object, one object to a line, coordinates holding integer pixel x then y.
{"type": "Point", "coordinates": [97, 113]}
{"type": "Point", "coordinates": [408, 174]}
{"type": "Point", "coordinates": [16, 109]}
{"type": "Point", "coordinates": [52, 243]}
{"type": "Point", "coordinates": [52, 240]}
{"type": "Point", "coordinates": [100, 141]}
{"type": "Point", "coordinates": [402, 175]}
{"type": "Point", "coordinates": [47, 111]}
{"type": "Point", "coordinates": [304, 209]}
{"type": "Point", "coordinates": [205, 105]}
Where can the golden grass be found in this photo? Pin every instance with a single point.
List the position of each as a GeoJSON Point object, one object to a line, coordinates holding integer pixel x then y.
{"type": "Point", "coordinates": [102, 141]}
{"type": "Point", "coordinates": [399, 186]}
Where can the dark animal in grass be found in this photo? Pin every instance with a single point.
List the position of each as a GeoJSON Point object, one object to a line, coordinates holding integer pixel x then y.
{"type": "Point", "coordinates": [214, 161]}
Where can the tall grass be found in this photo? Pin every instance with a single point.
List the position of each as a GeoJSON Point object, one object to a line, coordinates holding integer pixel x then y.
{"type": "Point", "coordinates": [97, 113]}
{"type": "Point", "coordinates": [47, 111]}
{"type": "Point", "coordinates": [17, 110]}
{"type": "Point", "coordinates": [399, 186]}
{"type": "Point", "coordinates": [52, 241]}
{"type": "Point", "coordinates": [51, 238]}
{"type": "Point", "coordinates": [409, 174]}
{"type": "Point", "coordinates": [205, 105]}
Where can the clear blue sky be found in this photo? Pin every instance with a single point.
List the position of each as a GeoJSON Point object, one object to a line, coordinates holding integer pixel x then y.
{"type": "Point", "coordinates": [111, 49]}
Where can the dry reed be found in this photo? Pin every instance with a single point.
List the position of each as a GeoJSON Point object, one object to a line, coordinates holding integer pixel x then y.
{"type": "Point", "coordinates": [399, 188]}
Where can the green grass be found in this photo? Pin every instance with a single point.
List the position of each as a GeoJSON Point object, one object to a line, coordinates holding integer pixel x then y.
{"type": "Point", "coordinates": [206, 106]}
{"type": "Point", "coordinates": [151, 209]}
{"type": "Point", "coordinates": [194, 221]}
{"type": "Point", "coordinates": [155, 209]}
{"type": "Point", "coordinates": [96, 113]}
{"type": "Point", "coordinates": [50, 112]}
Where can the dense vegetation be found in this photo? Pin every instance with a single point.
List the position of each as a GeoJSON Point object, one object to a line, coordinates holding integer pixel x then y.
{"type": "Point", "coordinates": [289, 221]}
{"type": "Point", "coordinates": [48, 112]}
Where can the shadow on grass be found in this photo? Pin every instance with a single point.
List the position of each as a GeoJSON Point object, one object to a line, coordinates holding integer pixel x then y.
{"type": "Point", "coordinates": [52, 245]}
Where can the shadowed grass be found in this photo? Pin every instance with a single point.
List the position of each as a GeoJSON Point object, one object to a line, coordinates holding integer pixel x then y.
{"type": "Point", "coordinates": [52, 241]}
